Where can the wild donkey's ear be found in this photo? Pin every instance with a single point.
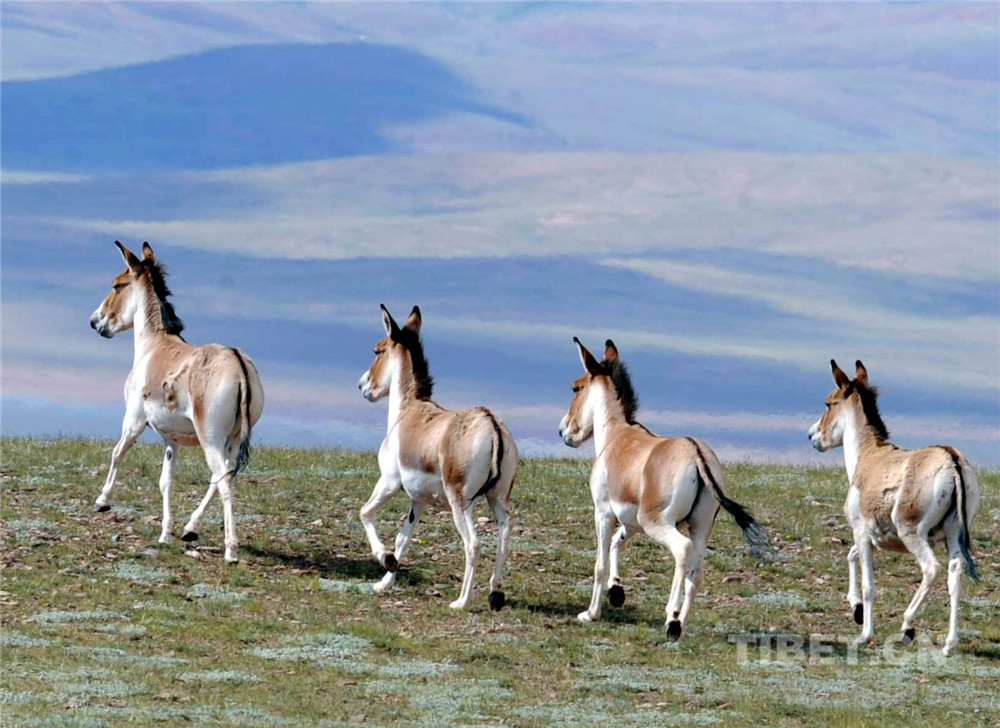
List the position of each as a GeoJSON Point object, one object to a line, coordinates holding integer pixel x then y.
{"type": "Point", "coordinates": [590, 364]}
{"type": "Point", "coordinates": [861, 374]}
{"type": "Point", "coordinates": [147, 252]}
{"type": "Point", "coordinates": [391, 329]}
{"type": "Point", "coordinates": [839, 378]}
{"type": "Point", "coordinates": [133, 263]}
{"type": "Point", "coordinates": [610, 351]}
{"type": "Point", "coordinates": [414, 321]}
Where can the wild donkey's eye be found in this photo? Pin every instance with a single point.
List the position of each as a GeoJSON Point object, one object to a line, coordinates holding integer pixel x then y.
{"type": "Point", "coordinates": [119, 286]}
{"type": "Point", "coordinates": [827, 405]}
{"type": "Point", "coordinates": [576, 388]}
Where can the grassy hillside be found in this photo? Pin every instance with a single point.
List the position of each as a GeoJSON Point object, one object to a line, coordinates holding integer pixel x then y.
{"type": "Point", "coordinates": [101, 626]}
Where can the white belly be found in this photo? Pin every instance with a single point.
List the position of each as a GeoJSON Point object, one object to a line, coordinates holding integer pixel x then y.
{"type": "Point", "coordinates": [424, 487]}
{"type": "Point", "coordinates": [626, 513]}
{"type": "Point", "coordinates": [169, 423]}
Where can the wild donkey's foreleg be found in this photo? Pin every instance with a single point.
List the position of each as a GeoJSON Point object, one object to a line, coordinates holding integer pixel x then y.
{"type": "Point", "coordinates": [131, 429]}
{"type": "Point", "coordinates": [166, 484]}
{"type": "Point", "coordinates": [853, 595]}
{"type": "Point", "coordinates": [866, 557]}
{"type": "Point", "coordinates": [616, 593]}
{"type": "Point", "coordinates": [504, 523]}
{"type": "Point", "coordinates": [384, 490]}
{"type": "Point", "coordinates": [402, 544]}
{"type": "Point", "coordinates": [604, 520]}
{"type": "Point", "coordinates": [462, 516]}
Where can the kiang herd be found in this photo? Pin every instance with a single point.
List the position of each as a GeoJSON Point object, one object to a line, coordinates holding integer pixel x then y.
{"type": "Point", "coordinates": [668, 488]}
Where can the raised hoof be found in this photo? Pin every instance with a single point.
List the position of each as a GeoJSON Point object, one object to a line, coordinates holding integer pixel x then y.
{"type": "Point", "coordinates": [859, 614]}
{"type": "Point", "coordinates": [497, 600]}
{"type": "Point", "coordinates": [616, 595]}
{"type": "Point", "coordinates": [390, 563]}
{"type": "Point", "coordinates": [949, 648]}
{"type": "Point", "coordinates": [908, 636]}
{"type": "Point", "coordinates": [457, 604]}
{"type": "Point", "coordinates": [674, 629]}
{"type": "Point", "coordinates": [98, 508]}
{"type": "Point", "coordinates": [585, 617]}
{"type": "Point", "coordinates": [189, 536]}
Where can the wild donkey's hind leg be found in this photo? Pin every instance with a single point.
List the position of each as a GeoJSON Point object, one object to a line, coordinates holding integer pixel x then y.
{"type": "Point", "coordinates": [462, 516]}
{"type": "Point", "coordinates": [681, 548]}
{"type": "Point", "coordinates": [499, 504]}
{"type": "Point", "coordinates": [133, 426]}
{"type": "Point", "coordinates": [166, 484]}
{"type": "Point", "coordinates": [616, 593]}
{"type": "Point", "coordinates": [402, 544]}
{"type": "Point", "coordinates": [919, 545]}
{"type": "Point", "coordinates": [956, 565]}
{"type": "Point", "coordinates": [221, 467]}
{"type": "Point", "coordinates": [383, 491]}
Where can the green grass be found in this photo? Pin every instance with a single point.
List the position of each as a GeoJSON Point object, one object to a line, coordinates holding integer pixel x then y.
{"type": "Point", "coordinates": [102, 627]}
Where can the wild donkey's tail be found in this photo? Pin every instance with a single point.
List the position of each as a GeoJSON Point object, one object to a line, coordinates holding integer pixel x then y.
{"type": "Point", "coordinates": [498, 453]}
{"type": "Point", "coordinates": [754, 533]}
{"type": "Point", "coordinates": [963, 518]}
{"type": "Point", "coordinates": [243, 396]}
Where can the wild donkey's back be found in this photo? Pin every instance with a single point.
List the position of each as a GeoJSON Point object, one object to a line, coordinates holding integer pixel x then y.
{"type": "Point", "coordinates": [190, 395]}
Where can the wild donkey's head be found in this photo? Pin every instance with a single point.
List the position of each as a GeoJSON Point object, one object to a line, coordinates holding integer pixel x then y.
{"type": "Point", "coordinates": [602, 385]}
{"type": "Point", "coordinates": [400, 352]}
{"type": "Point", "coordinates": [118, 310]}
{"type": "Point", "coordinates": [852, 403]}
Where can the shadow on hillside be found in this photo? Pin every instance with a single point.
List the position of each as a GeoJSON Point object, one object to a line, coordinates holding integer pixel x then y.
{"type": "Point", "coordinates": [623, 615]}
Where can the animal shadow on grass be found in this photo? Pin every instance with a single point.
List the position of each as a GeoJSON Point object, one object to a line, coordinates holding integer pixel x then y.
{"type": "Point", "coordinates": [571, 607]}
{"type": "Point", "coordinates": [329, 565]}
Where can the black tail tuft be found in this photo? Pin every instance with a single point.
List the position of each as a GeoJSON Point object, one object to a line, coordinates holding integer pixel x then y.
{"type": "Point", "coordinates": [754, 533]}
{"type": "Point", "coordinates": [963, 522]}
{"type": "Point", "coordinates": [494, 476]}
{"type": "Point", "coordinates": [243, 397]}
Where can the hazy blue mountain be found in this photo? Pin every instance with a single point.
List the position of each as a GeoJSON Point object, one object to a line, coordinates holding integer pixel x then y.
{"type": "Point", "coordinates": [234, 106]}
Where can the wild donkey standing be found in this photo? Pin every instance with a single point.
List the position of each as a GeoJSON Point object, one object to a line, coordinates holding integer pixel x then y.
{"type": "Point", "coordinates": [647, 483]}
{"type": "Point", "coordinates": [898, 500]}
{"type": "Point", "coordinates": [190, 395]}
{"type": "Point", "coordinates": [437, 456]}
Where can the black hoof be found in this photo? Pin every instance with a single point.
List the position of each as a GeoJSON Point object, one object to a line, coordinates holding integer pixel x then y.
{"type": "Point", "coordinates": [674, 629]}
{"type": "Point", "coordinates": [859, 614]}
{"type": "Point", "coordinates": [390, 563]}
{"type": "Point", "coordinates": [189, 536]}
{"type": "Point", "coordinates": [102, 509]}
{"type": "Point", "coordinates": [616, 595]}
{"type": "Point", "coordinates": [908, 636]}
{"type": "Point", "coordinates": [497, 600]}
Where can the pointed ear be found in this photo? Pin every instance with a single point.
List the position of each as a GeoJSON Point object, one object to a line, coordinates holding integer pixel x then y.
{"type": "Point", "coordinates": [590, 364]}
{"type": "Point", "coordinates": [610, 351]}
{"type": "Point", "coordinates": [839, 378]}
{"type": "Point", "coordinates": [391, 329]}
{"type": "Point", "coordinates": [414, 321]}
{"type": "Point", "coordinates": [147, 252]}
{"type": "Point", "coordinates": [133, 263]}
{"type": "Point", "coordinates": [861, 374]}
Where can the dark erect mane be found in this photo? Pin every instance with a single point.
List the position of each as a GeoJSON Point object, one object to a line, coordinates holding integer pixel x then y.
{"type": "Point", "coordinates": [158, 275]}
{"type": "Point", "coordinates": [869, 402]}
{"type": "Point", "coordinates": [422, 379]}
{"type": "Point", "coordinates": [623, 388]}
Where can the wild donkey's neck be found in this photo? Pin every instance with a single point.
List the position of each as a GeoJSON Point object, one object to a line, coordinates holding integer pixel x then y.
{"type": "Point", "coordinates": [608, 416]}
{"type": "Point", "coordinates": [401, 392]}
{"type": "Point", "coordinates": [858, 436]}
{"type": "Point", "coordinates": [147, 324]}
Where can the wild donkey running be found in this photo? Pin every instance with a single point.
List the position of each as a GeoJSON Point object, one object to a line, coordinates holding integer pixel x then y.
{"type": "Point", "coordinates": [648, 483]}
{"type": "Point", "coordinates": [436, 456]}
{"type": "Point", "coordinates": [190, 395]}
{"type": "Point", "coordinates": [898, 500]}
